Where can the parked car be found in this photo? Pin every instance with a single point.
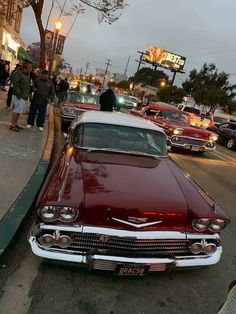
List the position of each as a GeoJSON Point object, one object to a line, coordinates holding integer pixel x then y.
{"type": "Point", "coordinates": [137, 103]}
{"type": "Point", "coordinates": [197, 118]}
{"type": "Point", "coordinates": [115, 201]}
{"type": "Point", "coordinates": [176, 125]}
{"type": "Point", "coordinates": [227, 134]}
{"type": "Point", "coordinates": [124, 101]}
{"type": "Point", "coordinates": [75, 104]}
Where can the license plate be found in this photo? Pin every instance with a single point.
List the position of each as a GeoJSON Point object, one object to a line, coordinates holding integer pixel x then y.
{"type": "Point", "coordinates": [131, 269]}
{"type": "Point", "coordinates": [195, 149]}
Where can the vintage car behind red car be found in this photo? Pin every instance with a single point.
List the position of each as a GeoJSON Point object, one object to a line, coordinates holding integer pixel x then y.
{"type": "Point", "coordinates": [115, 201]}
{"type": "Point", "coordinates": [75, 104]}
{"type": "Point", "coordinates": [176, 125]}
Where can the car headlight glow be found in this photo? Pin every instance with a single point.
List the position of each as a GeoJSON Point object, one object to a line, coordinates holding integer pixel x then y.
{"type": "Point", "coordinates": [201, 224]}
{"type": "Point", "coordinates": [68, 111]}
{"type": "Point", "coordinates": [217, 225]}
{"type": "Point", "coordinates": [213, 137]}
{"type": "Point", "coordinates": [178, 131]}
{"type": "Point", "coordinates": [121, 100]}
{"type": "Point", "coordinates": [62, 213]}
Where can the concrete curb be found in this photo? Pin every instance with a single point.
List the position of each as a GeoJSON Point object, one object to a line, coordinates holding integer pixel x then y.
{"type": "Point", "coordinates": [12, 220]}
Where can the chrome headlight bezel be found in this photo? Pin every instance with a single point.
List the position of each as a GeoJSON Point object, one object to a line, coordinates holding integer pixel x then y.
{"type": "Point", "coordinates": [213, 137]}
{"type": "Point", "coordinates": [201, 224]}
{"type": "Point", "coordinates": [216, 225]}
{"type": "Point", "coordinates": [68, 111]}
{"type": "Point", "coordinates": [56, 213]}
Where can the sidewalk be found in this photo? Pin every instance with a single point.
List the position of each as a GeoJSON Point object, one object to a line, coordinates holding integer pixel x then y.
{"type": "Point", "coordinates": [20, 155]}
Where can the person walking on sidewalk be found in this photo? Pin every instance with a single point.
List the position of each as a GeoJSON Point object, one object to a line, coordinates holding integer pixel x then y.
{"type": "Point", "coordinates": [44, 91]}
{"type": "Point", "coordinates": [10, 90]}
{"type": "Point", "coordinates": [21, 90]}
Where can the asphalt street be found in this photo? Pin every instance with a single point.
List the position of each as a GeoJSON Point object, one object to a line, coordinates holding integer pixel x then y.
{"type": "Point", "coordinates": [29, 285]}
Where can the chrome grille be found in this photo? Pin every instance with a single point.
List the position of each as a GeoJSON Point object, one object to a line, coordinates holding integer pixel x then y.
{"type": "Point", "coordinates": [178, 140]}
{"type": "Point", "coordinates": [128, 247]}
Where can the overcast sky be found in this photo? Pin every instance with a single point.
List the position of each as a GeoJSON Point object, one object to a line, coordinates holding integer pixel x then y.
{"type": "Point", "coordinates": [201, 30]}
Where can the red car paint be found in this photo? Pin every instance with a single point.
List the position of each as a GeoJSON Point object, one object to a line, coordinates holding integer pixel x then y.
{"type": "Point", "coordinates": [106, 185]}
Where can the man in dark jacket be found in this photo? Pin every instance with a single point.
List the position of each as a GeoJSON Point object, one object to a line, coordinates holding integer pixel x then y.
{"type": "Point", "coordinates": [44, 91]}
{"type": "Point", "coordinates": [107, 100]}
{"type": "Point", "coordinates": [10, 90]}
{"type": "Point", "coordinates": [21, 91]}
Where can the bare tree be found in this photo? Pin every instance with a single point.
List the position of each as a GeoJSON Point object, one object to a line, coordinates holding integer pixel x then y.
{"type": "Point", "coordinates": [108, 11]}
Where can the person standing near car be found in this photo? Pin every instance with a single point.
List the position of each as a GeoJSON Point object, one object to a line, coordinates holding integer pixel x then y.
{"type": "Point", "coordinates": [21, 91]}
{"type": "Point", "coordinates": [10, 90]}
{"type": "Point", "coordinates": [108, 100]}
{"type": "Point", "coordinates": [44, 91]}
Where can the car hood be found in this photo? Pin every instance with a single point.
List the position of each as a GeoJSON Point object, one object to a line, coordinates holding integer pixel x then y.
{"type": "Point", "coordinates": [118, 190]}
{"type": "Point", "coordinates": [189, 130]}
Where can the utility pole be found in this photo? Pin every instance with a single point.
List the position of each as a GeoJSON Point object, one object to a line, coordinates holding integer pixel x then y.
{"type": "Point", "coordinates": [153, 73]}
{"type": "Point", "coordinates": [140, 61]}
{"type": "Point", "coordinates": [86, 69]}
{"type": "Point", "coordinates": [173, 78]}
{"type": "Point", "coordinates": [108, 63]}
{"type": "Point", "coordinates": [126, 69]}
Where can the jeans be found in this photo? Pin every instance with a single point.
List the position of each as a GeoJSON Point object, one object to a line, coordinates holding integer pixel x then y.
{"type": "Point", "coordinates": [39, 110]}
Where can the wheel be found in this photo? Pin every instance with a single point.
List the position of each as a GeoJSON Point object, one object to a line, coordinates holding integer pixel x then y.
{"type": "Point", "coordinates": [231, 144]}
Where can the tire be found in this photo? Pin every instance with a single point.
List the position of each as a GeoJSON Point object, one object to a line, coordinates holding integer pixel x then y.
{"type": "Point", "coordinates": [231, 143]}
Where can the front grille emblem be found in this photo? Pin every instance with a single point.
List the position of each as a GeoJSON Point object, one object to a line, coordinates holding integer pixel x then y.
{"type": "Point", "coordinates": [104, 238]}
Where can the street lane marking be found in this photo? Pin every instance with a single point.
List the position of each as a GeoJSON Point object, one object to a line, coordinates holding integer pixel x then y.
{"type": "Point", "coordinates": [224, 156]}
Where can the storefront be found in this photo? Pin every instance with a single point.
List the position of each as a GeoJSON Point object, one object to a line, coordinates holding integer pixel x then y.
{"type": "Point", "coordinates": [9, 50]}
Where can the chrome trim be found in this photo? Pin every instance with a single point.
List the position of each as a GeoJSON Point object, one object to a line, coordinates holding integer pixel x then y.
{"type": "Point", "coordinates": [126, 233]}
{"type": "Point", "coordinates": [195, 145]}
{"type": "Point", "coordinates": [71, 256]}
{"type": "Point", "coordinates": [137, 225]}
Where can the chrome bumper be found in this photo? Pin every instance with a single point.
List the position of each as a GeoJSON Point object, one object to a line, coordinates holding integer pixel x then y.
{"type": "Point", "coordinates": [202, 145]}
{"type": "Point", "coordinates": [106, 262]}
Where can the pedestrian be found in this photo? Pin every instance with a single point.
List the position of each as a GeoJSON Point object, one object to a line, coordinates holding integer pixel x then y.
{"type": "Point", "coordinates": [21, 91]}
{"type": "Point", "coordinates": [63, 87]}
{"type": "Point", "coordinates": [55, 82]}
{"type": "Point", "coordinates": [10, 90]}
{"type": "Point", "coordinates": [108, 100]}
{"type": "Point", "coordinates": [44, 92]}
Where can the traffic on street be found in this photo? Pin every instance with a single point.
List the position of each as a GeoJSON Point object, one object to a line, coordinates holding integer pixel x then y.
{"type": "Point", "coordinates": [117, 158]}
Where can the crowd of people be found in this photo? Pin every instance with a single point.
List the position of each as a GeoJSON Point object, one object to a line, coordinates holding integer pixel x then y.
{"type": "Point", "coordinates": [27, 84]}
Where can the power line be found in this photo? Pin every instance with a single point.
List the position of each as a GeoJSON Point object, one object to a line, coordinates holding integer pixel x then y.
{"type": "Point", "coordinates": [107, 66]}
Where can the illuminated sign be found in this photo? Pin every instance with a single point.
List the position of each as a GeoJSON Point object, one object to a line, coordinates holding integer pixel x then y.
{"type": "Point", "coordinates": [164, 58]}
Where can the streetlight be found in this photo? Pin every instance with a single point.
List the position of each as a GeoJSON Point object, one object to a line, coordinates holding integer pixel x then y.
{"type": "Point", "coordinates": [163, 84]}
{"type": "Point", "coordinates": [57, 29]}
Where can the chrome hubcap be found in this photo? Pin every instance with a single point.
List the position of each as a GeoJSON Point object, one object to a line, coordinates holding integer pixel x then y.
{"type": "Point", "coordinates": [230, 143]}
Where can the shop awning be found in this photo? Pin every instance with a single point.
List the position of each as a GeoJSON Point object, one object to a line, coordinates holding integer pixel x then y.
{"type": "Point", "coordinates": [24, 55]}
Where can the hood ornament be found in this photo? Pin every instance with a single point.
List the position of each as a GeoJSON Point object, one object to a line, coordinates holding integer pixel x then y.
{"type": "Point", "coordinates": [137, 222]}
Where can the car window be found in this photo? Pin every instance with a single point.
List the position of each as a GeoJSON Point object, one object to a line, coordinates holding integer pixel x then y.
{"type": "Point", "coordinates": [225, 126]}
{"type": "Point", "coordinates": [151, 112]}
{"type": "Point", "coordinates": [174, 115]}
{"type": "Point", "coordinates": [180, 107]}
{"type": "Point", "coordinates": [233, 126]}
{"type": "Point", "coordinates": [192, 110]}
{"type": "Point", "coordinates": [83, 98]}
{"type": "Point", "coordinates": [119, 138]}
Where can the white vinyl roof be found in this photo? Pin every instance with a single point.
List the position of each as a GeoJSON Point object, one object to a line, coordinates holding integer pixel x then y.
{"type": "Point", "coordinates": [117, 118]}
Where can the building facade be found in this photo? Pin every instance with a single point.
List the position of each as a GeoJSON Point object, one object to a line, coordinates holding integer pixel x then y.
{"type": "Point", "coordinates": [10, 25]}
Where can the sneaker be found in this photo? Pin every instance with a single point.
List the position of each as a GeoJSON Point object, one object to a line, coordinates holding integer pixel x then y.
{"type": "Point", "coordinates": [20, 127]}
{"type": "Point", "coordinates": [29, 126]}
{"type": "Point", "coordinates": [40, 128]}
{"type": "Point", "coordinates": [14, 128]}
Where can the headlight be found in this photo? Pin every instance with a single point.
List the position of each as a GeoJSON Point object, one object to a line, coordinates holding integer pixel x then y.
{"type": "Point", "coordinates": [65, 110]}
{"type": "Point", "coordinates": [135, 105]}
{"type": "Point", "coordinates": [213, 137]}
{"type": "Point", "coordinates": [52, 213]}
{"type": "Point", "coordinates": [68, 214]}
{"type": "Point", "coordinates": [201, 224]}
{"type": "Point", "coordinates": [217, 225]}
{"type": "Point", "coordinates": [178, 131]}
{"type": "Point", "coordinates": [121, 100]}
{"type": "Point", "coordinates": [48, 213]}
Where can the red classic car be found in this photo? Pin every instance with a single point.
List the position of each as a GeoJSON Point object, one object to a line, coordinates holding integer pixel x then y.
{"type": "Point", "coordinates": [176, 125]}
{"type": "Point", "coordinates": [76, 103]}
{"type": "Point", "coordinates": [115, 201]}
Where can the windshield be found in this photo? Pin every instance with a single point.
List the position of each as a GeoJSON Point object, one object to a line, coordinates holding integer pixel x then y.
{"type": "Point", "coordinates": [119, 138]}
{"type": "Point", "coordinates": [83, 98]}
{"type": "Point", "coordinates": [175, 115]}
